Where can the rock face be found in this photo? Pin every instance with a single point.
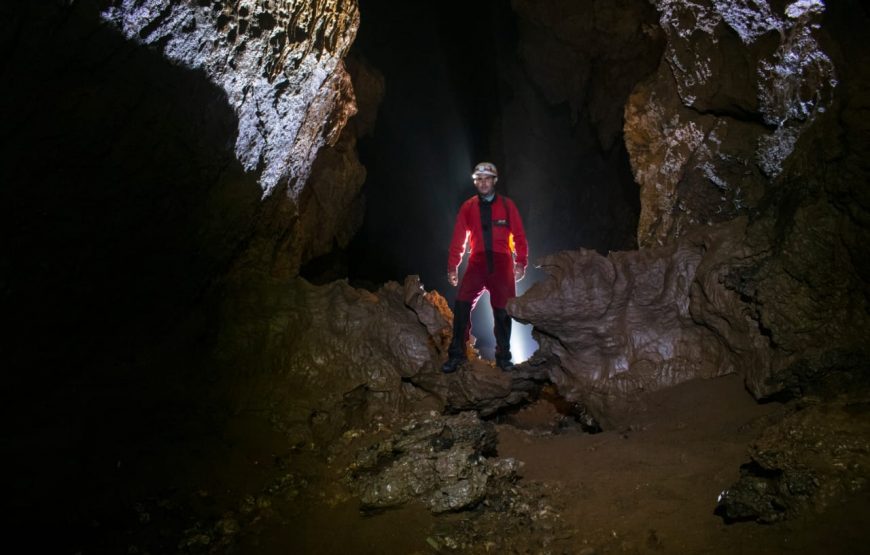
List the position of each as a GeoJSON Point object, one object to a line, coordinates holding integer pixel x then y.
{"type": "Point", "coordinates": [624, 324]}
{"type": "Point", "coordinates": [280, 64]}
{"type": "Point", "coordinates": [282, 67]}
{"type": "Point", "coordinates": [717, 122]}
{"type": "Point", "coordinates": [733, 124]}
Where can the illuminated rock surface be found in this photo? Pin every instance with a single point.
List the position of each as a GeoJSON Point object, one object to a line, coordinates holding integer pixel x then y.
{"type": "Point", "coordinates": [279, 63]}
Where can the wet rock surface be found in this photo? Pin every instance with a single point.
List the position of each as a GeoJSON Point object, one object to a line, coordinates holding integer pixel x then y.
{"type": "Point", "coordinates": [483, 387]}
{"type": "Point", "coordinates": [614, 327]}
{"type": "Point", "coordinates": [280, 64]}
{"type": "Point", "coordinates": [329, 356]}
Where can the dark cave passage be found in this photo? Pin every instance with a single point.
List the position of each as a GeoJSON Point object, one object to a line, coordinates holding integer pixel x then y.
{"type": "Point", "coordinates": [456, 94]}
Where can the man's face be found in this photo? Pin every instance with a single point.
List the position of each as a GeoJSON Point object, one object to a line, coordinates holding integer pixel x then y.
{"type": "Point", "coordinates": [485, 184]}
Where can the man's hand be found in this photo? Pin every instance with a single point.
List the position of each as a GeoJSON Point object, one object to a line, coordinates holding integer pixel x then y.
{"type": "Point", "coordinates": [519, 272]}
{"type": "Point", "coordinates": [453, 278]}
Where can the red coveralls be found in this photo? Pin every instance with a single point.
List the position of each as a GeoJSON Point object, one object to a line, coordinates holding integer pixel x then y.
{"type": "Point", "coordinates": [492, 245]}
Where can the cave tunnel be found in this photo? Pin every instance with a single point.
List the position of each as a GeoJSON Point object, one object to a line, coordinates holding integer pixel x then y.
{"type": "Point", "coordinates": [470, 102]}
{"type": "Point", "coordinates": [211, 211]}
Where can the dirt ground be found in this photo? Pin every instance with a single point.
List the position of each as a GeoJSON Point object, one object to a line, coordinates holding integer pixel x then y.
{"type": "Point", "coordinates": [653, 488]}
{"type": "Point", "coordinates": [649, 488]}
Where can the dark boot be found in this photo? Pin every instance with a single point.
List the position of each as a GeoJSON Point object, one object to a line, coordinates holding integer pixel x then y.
{"type": "Point", "coordinates": [502, 330]}
{"type": "Point", "coordinates": [461, 330]}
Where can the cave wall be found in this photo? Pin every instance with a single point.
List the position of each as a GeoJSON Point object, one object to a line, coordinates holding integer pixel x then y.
{"type": "Point", "coordinates": [156, 156]}
{"type": "Point", "coordinates": [137, 173]}
{"type": "Point", "coordinates": [748, 145]}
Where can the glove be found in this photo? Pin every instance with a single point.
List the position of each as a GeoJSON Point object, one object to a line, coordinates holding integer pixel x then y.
{"type": "Point", "coordinates": [519, 272]}
{"type": "Point", "coordinates": [453, 278]}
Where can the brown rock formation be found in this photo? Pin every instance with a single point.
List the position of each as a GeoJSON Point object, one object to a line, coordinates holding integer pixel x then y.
{"type": "Point", "coordinates": [780, 296]}
{"type": "Point", "coordinates": [320, 358]}
{"type": "Point", "coordinates": [631, 322]}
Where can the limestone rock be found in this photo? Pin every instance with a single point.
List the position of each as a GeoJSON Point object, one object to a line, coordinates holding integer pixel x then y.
{"type": "Point", "coordinates": [280, 64]}
{"type": "Point", "coordinates": [736, 90]}
{"type": "Point", "coordinates": [711, 303]}
{"type": "Point", "coordinates": [619, 325]}
{"type": "Point", "coordinates": [331, 206]}
{"type": "Point", "coordinates": [693, 169]}
{"type": "Point", "coordinates": [485, 388]}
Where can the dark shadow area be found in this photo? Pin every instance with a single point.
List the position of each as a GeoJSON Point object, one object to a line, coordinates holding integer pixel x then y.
{"type": "Point", "coordinates": [122, 203]}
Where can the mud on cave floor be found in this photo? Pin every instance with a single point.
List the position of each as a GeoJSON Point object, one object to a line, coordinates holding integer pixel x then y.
{"type": "Point", "coordinates": [649, 488]}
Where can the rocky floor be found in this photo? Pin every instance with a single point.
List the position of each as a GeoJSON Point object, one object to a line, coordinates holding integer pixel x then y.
{"type": "Point", "coordinates": [649, 488]}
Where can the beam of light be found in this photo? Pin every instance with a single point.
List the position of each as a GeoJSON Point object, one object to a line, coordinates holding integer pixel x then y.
{"type": "Point", "coordinates": [523, 345]}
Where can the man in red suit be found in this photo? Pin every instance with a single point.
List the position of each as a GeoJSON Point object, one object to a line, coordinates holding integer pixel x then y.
{"type": "Point", "coordinates": [491, 226]}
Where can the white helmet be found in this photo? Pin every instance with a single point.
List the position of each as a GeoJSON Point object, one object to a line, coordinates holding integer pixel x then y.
{"type": "Point", "coordinates": [484, 168]}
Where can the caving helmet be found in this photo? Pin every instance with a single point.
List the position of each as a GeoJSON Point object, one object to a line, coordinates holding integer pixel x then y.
{"type": "Point", "coordinates": [485, 168]}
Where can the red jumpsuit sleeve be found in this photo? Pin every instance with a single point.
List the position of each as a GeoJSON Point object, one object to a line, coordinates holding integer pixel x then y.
{"type": "Point", "coordinates": [460, 238]}
{"type": "Point", "coordinates": [520, 243]}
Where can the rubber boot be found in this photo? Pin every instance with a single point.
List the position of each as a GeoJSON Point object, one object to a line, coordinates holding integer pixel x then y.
{"type": "Point", "coordinates": [461, 330]}
{"type": "Point", "coordinates": [502, 330]}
